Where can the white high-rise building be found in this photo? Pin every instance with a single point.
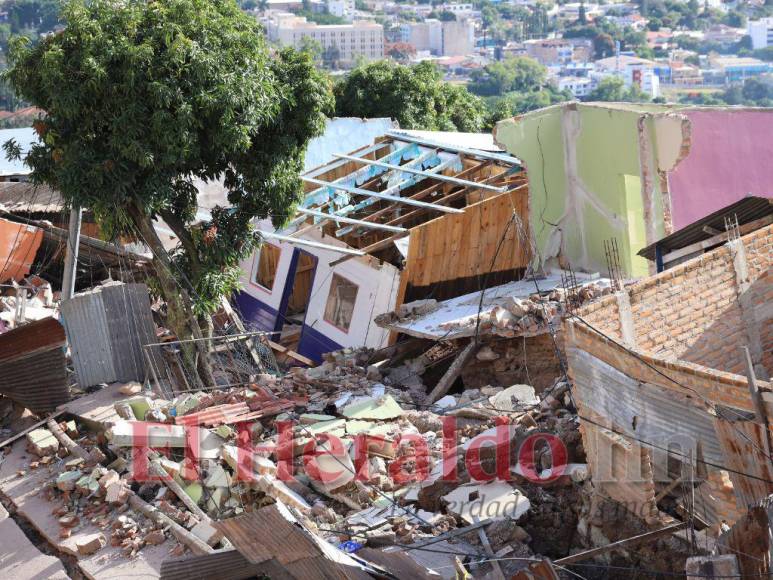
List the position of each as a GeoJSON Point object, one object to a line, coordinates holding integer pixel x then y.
{"type": "Point", "coordinates": [360, 38]}
{"type": "Point", "coordinates": [341, 8]}
{"type": "Point", "coordinates": [761, 32]}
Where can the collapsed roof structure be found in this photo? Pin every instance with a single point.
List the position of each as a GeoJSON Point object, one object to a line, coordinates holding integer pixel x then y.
{"type": "Point", "coordinates": [404, 218]}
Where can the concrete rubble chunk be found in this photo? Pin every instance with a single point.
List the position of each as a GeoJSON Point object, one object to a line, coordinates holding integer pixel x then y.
{"type": "Point", "coordinates": [90, 544]}
{"type": "Point", "coordinates": [42, 442]}
{"type": "Point", "coordinates": [514, 397]}
{"type": "Point", "coordinates": [66, 481]}
{"type": "Point", "coordinates": [485, 501]}
{"type": "Point", "coordinates": [377, 408]}
{"type": "Point", "coordinates": [207, 533]}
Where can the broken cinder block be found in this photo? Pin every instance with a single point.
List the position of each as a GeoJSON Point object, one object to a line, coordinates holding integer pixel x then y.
{"type": "Point", "coordinates": [87, 545]}
{"type": "Point", "coordinates": [42, 442]}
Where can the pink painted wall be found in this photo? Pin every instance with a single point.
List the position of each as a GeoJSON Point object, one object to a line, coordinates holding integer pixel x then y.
{"type": "Point", "coordinates": [730, 157]}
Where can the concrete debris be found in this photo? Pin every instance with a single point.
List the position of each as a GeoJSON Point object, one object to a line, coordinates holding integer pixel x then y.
{"type": "Point", "coordinates": [354, 449]}
{"type": "Point", "coordinates": [41, 442]}
{"type": "Point", "coordinates": [90, 544]}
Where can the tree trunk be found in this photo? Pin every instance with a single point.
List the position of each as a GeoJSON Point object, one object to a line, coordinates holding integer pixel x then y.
{"type": "Point", "coordinates": [180, 317]}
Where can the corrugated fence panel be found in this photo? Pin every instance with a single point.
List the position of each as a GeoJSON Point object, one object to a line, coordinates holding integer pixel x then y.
{"type": "Point", "coordinates": [106, 329]}
{"type": "Point", "coordinates": [130, 323]}
{"type": "Point", "coordinates": [645, 411]}
{"type": "Point", "coordinates": [87, 332]}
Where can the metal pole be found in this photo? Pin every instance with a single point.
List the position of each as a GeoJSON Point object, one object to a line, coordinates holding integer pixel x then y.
{"type": "Point", "coordinates": [71, 257]}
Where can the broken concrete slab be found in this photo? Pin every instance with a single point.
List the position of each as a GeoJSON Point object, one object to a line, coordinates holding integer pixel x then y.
{"type": "Point", "coordinates": [20, 559]}
{"type": "Point", "coordinates": [107, 563]}
{"type": "Point", "coordinates": [375, 408]}
{"type": "Point", "coordinates": [42, 442]}
{"type": "Point", "coordinates": [207, 533]}
{"type": "Point", "coordinates": [485, 501]}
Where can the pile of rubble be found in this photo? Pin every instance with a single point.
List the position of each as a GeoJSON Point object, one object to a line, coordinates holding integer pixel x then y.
{"type": "Point", "coordinates": [32, 299]}
{"type": "Point", "coordinates": [366, 461]}
{"type": "Point", "coordinates": [507, 316]}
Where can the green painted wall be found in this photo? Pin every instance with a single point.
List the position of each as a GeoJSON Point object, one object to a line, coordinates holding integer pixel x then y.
{"type": "Point", "coordinates": [601, 199]}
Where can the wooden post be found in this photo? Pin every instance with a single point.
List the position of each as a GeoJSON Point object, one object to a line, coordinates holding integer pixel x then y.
{"type": "Point", "coordinates": [453, 372]}
{"type": "Point", "coordinates": [71, 256]}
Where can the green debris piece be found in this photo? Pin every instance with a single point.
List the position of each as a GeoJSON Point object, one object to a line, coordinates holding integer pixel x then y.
{"type": "Point", "coordinates": [224, 431]}
{"type": "Point", "coordinates": [308, 418]}
{"type": "Point", "coordinates": [377, 408]}
{"type": "Point", "coordinates": [332, 427]}
{"type": "Point", "coordinates": [355, 426]}
{"type": "Point", "coordinates": [195, 491]}
{"type": "Point", "coordinates": [140, 406]}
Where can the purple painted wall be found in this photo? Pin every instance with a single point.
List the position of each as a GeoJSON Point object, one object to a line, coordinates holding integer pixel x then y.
{"type": "Point", "coordinates": [731, 156]}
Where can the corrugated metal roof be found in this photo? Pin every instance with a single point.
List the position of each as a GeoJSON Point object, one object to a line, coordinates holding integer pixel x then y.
{"type": "Point", "coordinates": [32, 365]}
{"type": "Point", "coordinates": [224, 565]}
{"type": "Point", "coordinates": [747, 210]}
{"type": "Point", "coordinates": [25, 197]}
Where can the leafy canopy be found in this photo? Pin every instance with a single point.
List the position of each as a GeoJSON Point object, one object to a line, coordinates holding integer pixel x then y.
{"type": "Point", "coordinates": [416, 96]}
{"type": "Point", "coordinates": [144, 98]}
{"type": "Point", "coordinates": [514, 73]}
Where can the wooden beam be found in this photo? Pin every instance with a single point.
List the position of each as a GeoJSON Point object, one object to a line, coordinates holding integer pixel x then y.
{"type": "Point", "coordinates": [420, 195]}
{"type": "Point", "coordinates": [453, 371]}
{"type": "Point", "coordinates": [377, 195]}
{"type": "Point", "coordinates": [423, 173]}
{"type": "Point", "coordinates": [627, 543]}
{"type": "Point", "coordinates": [281, 349]}
{"type": "Point", "coordinates": [374, 247]}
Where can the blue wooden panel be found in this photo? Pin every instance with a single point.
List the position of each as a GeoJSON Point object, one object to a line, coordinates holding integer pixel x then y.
{"type": "Point", "coordinates": [314, 344]}
{"type": "Point", "coordinates": [255, 314]}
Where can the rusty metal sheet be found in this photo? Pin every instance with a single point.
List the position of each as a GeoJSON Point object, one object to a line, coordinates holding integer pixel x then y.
{"type": "Point", "coordinates": [750, 540]}
{"type": "Point", "coordinates": [278, 537]}
{"type": "Point", "coordinates": [224, 565]}
{"type": "Point", "coordinates": [741, 442]}
{"type": "Point", "coordinates": [32, 365]}
{"type": "Point", "coordinates": [273, 539]}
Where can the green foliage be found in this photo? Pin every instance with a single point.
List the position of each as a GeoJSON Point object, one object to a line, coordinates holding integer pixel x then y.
{"type": "Point", "coordinates": [321, 17]}
{"type": "Point", "coordinates": [612, 89]}
{"type": "Point", "coordinates": [514, 73]}
{"type": "Point", "coordinates": [514, 103]}
{"type": "Point", "coordinates": [416, 96]}
{"type": "Point", "coordinates": [144, 98]}
{"type": "Point", "coordinates": [443, 15]}
{"type": "Point", "coordinates": [752, 93]}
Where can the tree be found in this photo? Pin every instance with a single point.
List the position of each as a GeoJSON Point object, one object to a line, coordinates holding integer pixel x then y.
{"type": "Point", "coordinates": [416, 96]}
{"type": "Point", "coordinates": [612, 89]}
{"type": "Point", "coordinates": [515, 103]}
{"type": "Point", "coordinates": [514, 73]}
{"type": "Point", "coordinates": [144, 98]}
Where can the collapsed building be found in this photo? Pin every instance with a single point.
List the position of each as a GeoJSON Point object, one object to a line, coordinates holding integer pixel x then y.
{"type": "Point", "coordinates": [404, 218]}
{"type": "Point", "coordinates": [632, 172]}
{"type": "Point", "coordinates": [409, 384]}
{"type": "Point", "coordinates": [671, 380]}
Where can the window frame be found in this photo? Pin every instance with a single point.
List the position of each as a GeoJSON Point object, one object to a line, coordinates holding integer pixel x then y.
{"type": "Point", "coordinates": [256, 268]}
{"type": "Point", "coordinates": [327, 299]}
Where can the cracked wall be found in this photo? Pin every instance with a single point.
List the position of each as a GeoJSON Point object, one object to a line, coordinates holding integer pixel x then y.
{"type": "Point", "coordinates": [596, 173]}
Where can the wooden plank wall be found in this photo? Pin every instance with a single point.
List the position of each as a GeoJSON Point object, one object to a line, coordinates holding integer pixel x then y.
{"type": "Point", "coordinates": [462, 246]}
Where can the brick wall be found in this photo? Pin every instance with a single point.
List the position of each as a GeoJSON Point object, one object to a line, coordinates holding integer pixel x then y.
{"type": "Point", "coordinates": [692, 312]}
